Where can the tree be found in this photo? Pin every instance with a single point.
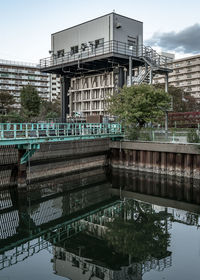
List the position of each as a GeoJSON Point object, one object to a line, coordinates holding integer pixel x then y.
{"type": "Point", "coordinates": [49, 110]}
{"type": "Point", "coordinates": [182, 101]}
{"type": "Point", "coordinates": [139, 104]}
{"type": "Point", "coordinates": [6, 101]}
{"type": "Point", "coordinates": [30, 101]}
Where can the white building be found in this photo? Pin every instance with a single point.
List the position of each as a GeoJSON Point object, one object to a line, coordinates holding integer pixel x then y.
{"type": "Point", "coordinates": [15, 75]}
{"type": "Point", "coordinates": [185, 75]}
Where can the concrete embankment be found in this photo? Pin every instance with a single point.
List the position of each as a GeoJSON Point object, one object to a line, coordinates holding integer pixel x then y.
{"type": "Point", "coordinates": [55, 159]}
{"type": "Point", "coordinates": [164, 158]}
{"type": "Point", "coordinates": [52, 159]}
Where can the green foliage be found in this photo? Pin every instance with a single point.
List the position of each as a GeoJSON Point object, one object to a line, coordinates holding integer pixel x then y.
{"type": "Point", "coordinates": [49, 110]}
{"type": "Point", "coordinates": [132, 133]}
{"type": "Point", "coordinates": [13, 117]}
{"type": "Point", "coordinates": [143, 236]}
{"type": "Point", "coordinates": [139, 104]}
{"type": "Point", "coordinates": [182, 101]}
{"type": "Point", "coordinates": [193, 137]}
{"type": "Point", "coordinates": [6, 101]}
{"type": "Point", "coordinates": [30, 102]}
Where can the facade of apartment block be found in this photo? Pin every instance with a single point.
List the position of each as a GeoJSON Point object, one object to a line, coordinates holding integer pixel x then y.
{"type": "Point", "coordinates": [185, 75]}
{"type": "Point", "coordinates": [15, 75]}
{"type": "Point", "coordinates": [55, 87]}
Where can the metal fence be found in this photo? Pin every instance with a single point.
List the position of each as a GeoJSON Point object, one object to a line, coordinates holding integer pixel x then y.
{"type": "Point", "coordinates": [170, 136]}
{"type": "Point", "coordinates": [55, 130]}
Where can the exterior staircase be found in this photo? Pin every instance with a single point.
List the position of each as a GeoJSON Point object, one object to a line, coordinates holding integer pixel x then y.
{"type": "Point", "coordinates": [153, 63]}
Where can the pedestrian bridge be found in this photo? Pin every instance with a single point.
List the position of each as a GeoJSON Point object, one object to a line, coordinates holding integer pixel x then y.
{"type": "Point", "coordinates": [36, 133]}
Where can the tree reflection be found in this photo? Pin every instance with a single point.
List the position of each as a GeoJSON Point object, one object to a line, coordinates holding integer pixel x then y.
{"type": "Point", "coordinates": [140, 232]}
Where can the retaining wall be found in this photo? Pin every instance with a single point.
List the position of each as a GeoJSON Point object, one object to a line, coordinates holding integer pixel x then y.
{"type": "Point", "coordinates": [164, 158]}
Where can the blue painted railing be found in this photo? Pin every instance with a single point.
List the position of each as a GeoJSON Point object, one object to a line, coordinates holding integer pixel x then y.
{"type": "Point", "coordinates": [20, 133]}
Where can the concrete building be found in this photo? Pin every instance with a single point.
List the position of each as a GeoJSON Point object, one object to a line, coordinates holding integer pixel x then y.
{"type": "Point", "coordinates": [185, 75]}
{"type": "Point", "coordinates": [55, 87]}
{"type": "Point", "coordinates": [15, 75]}
{"type": "Point", "coordinates": [97, 58]}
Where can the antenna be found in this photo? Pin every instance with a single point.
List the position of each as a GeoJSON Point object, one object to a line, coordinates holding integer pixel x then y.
{"type": "Point", "coordinates": [113, 10]}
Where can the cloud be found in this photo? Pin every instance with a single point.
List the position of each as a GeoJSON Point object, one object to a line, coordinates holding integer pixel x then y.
{"type": "Point", "coordinates": [186, 40]}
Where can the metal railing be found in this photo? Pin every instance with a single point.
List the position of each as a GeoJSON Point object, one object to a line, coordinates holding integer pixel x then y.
{"type": "Point", "coordinates": [14, 131]}
{"type": "Point", "coordinates": [171, 136]}
{"type": "Point", "coordinates": [138, 51]}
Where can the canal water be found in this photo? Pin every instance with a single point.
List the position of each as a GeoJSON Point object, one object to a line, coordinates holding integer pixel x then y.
{"type": "Point", "coordinates": [101, 225]}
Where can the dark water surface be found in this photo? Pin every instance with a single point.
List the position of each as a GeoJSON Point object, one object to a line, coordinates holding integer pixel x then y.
{"type": "Point", "coordinates": [89, 225]}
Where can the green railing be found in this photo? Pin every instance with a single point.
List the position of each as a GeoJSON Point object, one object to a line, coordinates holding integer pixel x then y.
{"type": "Point", "coordinates": [40, 132]}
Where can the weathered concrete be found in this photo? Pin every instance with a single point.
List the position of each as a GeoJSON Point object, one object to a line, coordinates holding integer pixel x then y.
{"type": "Point", "coordinates": [51, 160]}
{"type": "Point", "coordinates": [162, 158]}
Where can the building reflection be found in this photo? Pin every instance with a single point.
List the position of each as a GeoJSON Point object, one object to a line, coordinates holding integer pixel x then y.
{"type": "Point", "coordinates": [101, 251]}
{"type": "Point", "coordinates": [92, 228]}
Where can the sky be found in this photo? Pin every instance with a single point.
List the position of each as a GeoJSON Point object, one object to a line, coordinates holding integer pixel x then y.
{"type": "Point", "coordinates": [26, 26]}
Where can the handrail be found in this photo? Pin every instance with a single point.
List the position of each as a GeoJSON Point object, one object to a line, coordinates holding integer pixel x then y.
{"type": "Point", "coordinates": [107, 47]}
{"type": "Point", "coordinates": [14, 131]}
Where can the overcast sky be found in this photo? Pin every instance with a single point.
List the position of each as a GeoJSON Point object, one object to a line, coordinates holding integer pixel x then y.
{"type": "Point", "coordinates": [26, 25]}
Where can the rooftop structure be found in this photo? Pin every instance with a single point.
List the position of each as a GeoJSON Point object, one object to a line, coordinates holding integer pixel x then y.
{"type": "Point", "coordinates": [109, 44]}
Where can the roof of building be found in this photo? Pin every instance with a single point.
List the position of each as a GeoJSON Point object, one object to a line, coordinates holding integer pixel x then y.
{"type": "Point", "coordinates": [18, 63]}
{"type": "Point", "coordinates": [186, 58]}
{"type": "Point", "coordinates": [95, 19]}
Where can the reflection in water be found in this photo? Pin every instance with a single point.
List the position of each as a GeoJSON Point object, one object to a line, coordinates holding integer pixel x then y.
{"type": "Point", "coordinates": [122, 244]}
{"type": "Point", "coordinates": [178, 188]}
{"type": "Point", "coordinates": [91, 228]}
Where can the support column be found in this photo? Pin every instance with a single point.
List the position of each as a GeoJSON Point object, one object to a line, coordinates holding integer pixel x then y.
{"type": "Point", "coordinates": [121, 77]}
{"type": "Point", "coordinates": [151, 77]}
{"type": "Point", "coordinates": [125, 76]}
{"type": "Point", "coordinates": [130, 70]}
{"type": "Point", "coordinates": [166, 113]}
{"type": "Point", "coordinates": [65, 84]}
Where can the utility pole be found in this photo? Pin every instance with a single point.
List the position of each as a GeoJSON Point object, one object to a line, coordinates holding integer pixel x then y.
{"type": "Point", "coordinates": [166, 112]}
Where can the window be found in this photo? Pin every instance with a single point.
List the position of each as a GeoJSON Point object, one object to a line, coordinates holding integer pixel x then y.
{"type": "Point", "coordinates": [177, 71]}
{"type": "Point", "coordinates": [132, 44]}
{"type": "Point", "coordinates": [99, 43]}
{"type": "Point", "coordinates": [189, 75]}
{"type": "Point", "coordinates": [74, 50]}
{"type": "Point", "coordinates": [60, 53]}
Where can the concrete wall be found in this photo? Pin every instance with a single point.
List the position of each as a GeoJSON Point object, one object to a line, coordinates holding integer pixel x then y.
{"type": "Point", "coordinates": [172, 159]}
{"type": "Point", "coordinates": [54, 159]}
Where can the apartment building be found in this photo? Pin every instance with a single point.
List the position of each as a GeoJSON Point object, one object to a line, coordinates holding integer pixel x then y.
{"type": "Point", "coordinates": [185, 75]}
{"type": "Point", "coordinates": [15, 75]}
{"type": "Point", "coordinates": [55, 87]}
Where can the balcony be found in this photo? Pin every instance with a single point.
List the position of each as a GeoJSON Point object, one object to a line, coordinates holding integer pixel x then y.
{"type": "Point", "coordinates": [105, 50]}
